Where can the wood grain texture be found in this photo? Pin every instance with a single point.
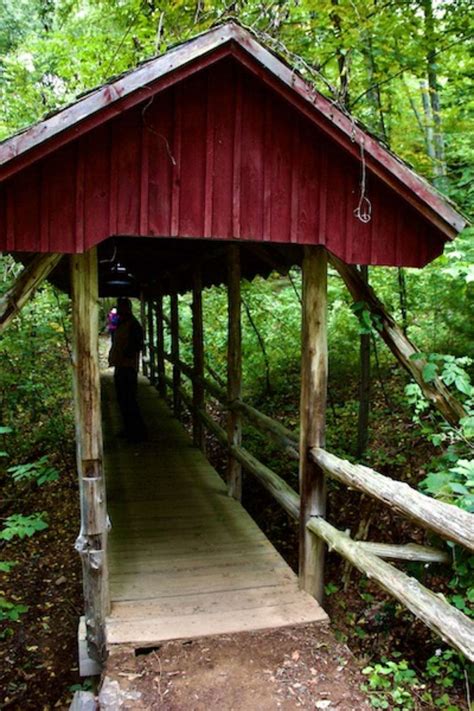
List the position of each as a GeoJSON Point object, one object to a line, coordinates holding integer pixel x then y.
{"type": "Point", "coordinates": [314, 373]}
{"type": "Point", "coordinates": [92, 540]}
{"type": "Point", "coordinates": [219, 155]}
{"type": "Point", "coordinates": [185, 559]}
{"type": "Point", "coordinates": [234, 368]}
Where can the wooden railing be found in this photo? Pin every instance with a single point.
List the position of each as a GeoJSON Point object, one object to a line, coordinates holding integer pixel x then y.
{"type": "Point", "coordinates": [444, 519]}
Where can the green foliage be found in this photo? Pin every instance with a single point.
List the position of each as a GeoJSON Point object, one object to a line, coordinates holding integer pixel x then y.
{"type": "Point", "coordinates": [445, 667]}
{"type": "Point", "coordinates": [368, 321]}
{"type": "Point", "coordinates": [390, 684]}
{"type": "Point", "coordinates": [19, 526]}
{"type": "Point", "coordinates": [40, 472]}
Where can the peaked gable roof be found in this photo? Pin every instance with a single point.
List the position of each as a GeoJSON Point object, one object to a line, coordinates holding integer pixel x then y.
{"type": "Point", "coordinates": [101, 104]}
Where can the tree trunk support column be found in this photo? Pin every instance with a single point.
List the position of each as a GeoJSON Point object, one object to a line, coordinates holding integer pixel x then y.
{"type": "Point", "coordinates": [92, 540]}
{"type": "Point", "coordinates": [314, 368]}
{"type": "Point", "coordinates": [160, 347]}
{"type": "Point", "coordinates": [143, 321]}
{"type": "Point", "coordinates": [175, 354]}
{"type": "Point", "coordinates": [151, 343]}
{"type": "Point", "coordinates": [234, 369]}
{"type": "Point", "coordinates": [198, 354]}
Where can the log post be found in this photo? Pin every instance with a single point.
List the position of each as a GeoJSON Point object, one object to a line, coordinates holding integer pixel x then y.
{"type": "Point", "coordinates": [160, 347]}
{"type": "Point", "coordinates": [314, 367]}
{"type": "Point", "coordinates": [24, 286]}
{"type": "Point", "coordinates": [234, 369]}
{"type": "Point", "coordinates": [143, 321]}
{"type": "Point", "coordinates": [198, 356]}
{"type": "Point", "coordinates": [174, 319]}
{"type": "Point", "coordinates": [151, 342]}
{"type": "Point", "coordinates": [92, 540]}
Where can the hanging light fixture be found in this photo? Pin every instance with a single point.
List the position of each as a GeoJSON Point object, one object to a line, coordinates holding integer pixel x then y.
{"type": "Point", "coordinates": [118, 276]}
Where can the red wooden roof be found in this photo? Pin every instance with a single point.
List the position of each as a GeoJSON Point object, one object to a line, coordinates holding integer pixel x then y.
{"type": "Point", "coordinates": [216, 139]}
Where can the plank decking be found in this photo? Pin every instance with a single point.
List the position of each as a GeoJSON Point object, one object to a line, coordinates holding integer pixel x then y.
{"type": "Point", "coordinates": [185, 559]}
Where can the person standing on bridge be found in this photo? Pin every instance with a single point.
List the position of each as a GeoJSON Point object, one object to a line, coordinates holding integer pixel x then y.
{"type": "Point", "coordinates": [124, 357]}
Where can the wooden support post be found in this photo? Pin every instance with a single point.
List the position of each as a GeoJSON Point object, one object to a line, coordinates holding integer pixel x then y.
{"type": "Point", "coordinates": [160, 347]}
{"type": "Point", "coordinates": [314, 365]}
{"type": "Point", "coordinates": [24, 286]}
{"type": "Point", "coordinates": [198, 353]}
{"type": "Point", "coordinates": [92, 540]}
{"type": "Point", "coordinates": [143, 322]}
{"type": "Point", "coordinates": [234, 369]}
{"type": "Point", "coordinates": [151, 342]}
{"type": "Point", "coordinates": [175, 354]}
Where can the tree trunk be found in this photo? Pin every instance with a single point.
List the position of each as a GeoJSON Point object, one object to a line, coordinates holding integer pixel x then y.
{"type": "Point", "coordinates": [234, 368]}
{"type": "Point", "coordinates": [314, 360]}
{"type": "Point", "coordinates": [92, 540]}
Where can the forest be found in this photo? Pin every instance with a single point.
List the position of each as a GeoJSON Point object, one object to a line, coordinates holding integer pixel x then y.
{"type": "Point", "coordinates": [403, 69]}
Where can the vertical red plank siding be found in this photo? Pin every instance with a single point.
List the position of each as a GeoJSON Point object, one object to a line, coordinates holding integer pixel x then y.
{"type": "Point", "coordinates": [23, 211]}
{"type": "Point", "coordinates": [237, 163]}
{"type": "Point", "coordinates": [100, 192]}
{"type": "Point", "coordinates": [252, 159]}
{"type": "Point", "coordinates": [59, 182]}
{"type": "Point", "coordinates": [309, 160]}
{"type": "Point", "coordinates": [224, 101]}
{"type": "Point", "coordinates": [209, 167]}
{"type": "Point", "coordinates": [44, 207]}
{"type": "Point", "coordinates": [333, 187]}
{"type": "Point", "coordinates": [158, 122]}
{"type": "Point", "coordinates": [176, 185]}
{"type": "Point", "coordinates": [220, 155]}
{"type": "Point", "coordinates": [193, 156]}
{"type": "Point", "coordinates": [127, 153]}
{"type": "Point", "coordinates": [144, 177]}
{"type": "Point", "coordinates": [282, 143]}
{"type": "Point", "coordinates": [80, 197]}
{"type": "Point", "coordinates": [267, 140]}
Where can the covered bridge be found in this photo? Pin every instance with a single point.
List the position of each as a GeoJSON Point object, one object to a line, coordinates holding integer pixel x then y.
{"type": "Point", "coordinates": [212, 162]}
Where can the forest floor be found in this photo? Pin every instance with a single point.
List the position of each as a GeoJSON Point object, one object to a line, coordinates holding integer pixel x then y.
{"type": "Point", "coordinates": [38, 656]}
{"type": "Point", "coordinates": [288, 668]}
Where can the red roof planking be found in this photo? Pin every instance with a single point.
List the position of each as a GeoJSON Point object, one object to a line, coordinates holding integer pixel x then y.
{"type": "Point", "coordinates": [216, 139]}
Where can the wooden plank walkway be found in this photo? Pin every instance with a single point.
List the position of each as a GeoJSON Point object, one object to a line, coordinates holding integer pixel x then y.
{"type": "Point", "coordinates": [185, 559]}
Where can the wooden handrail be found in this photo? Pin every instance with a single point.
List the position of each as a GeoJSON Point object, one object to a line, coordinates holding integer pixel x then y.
{"type": "Point", "coordinates": [446, 520]}
{"type": "Point", "coordinates": [279, 433]}
{"type": "Point", "coordinates": [444, 619]}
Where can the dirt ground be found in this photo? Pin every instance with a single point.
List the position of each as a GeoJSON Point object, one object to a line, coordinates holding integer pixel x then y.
{"type": "Point", "coordinates": [288, 668]}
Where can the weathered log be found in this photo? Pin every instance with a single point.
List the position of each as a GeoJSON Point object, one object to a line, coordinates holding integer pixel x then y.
{"type": "Point", "coordinates": [444, 619]}
{"type": "Point", "coordinates": [174, 315]}
{"type": "Point", "coordinates": [151, 342]}
{"type": "Point", "coordinates": [24, 286]}
{"type": "Point", "coordinates": [408, 551]}
{"type": "Point", "coordinates": [280, 490]}
{"type": "Point", "coordinates": [92, 540]}
{"type": "Point", "coordinates": [446, 520]}
{"type": "Point", "coordinates": [160, 347]}
{"type": "Point", "coordinates": [400, 345]}
{"type": "Point", "coordinates": [279, 433]}
{"type": "Point", "coordinates": [198, 358]}
{"type": "Point", "coordinates": [314, 365]}
{"type": "Point", "coordinates": [143, 321]}
{"type": "Point", "coordinates": [234, 368]}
